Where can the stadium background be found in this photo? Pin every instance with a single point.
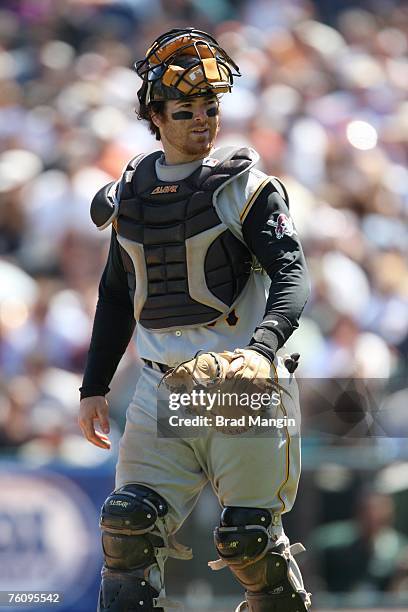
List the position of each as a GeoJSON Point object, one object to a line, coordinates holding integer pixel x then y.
{"type": "Point", "coordinates": [323, 98]}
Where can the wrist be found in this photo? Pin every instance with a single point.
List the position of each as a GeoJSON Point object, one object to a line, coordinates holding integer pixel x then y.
{"type": "Point", "coordinates": [262, 350]}
{"type": "Point", "coordinates": [93, 391]}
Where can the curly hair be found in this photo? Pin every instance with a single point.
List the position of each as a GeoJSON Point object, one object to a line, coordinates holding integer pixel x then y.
{"type": "Point", "coordinates": [146, 111]}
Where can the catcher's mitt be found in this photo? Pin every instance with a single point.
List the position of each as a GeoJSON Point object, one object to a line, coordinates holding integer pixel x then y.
{"type": "Point", "coordinates": [230, 378]}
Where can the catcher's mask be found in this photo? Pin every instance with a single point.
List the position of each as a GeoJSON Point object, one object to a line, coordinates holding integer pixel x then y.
{"type": "Point", "coordinates": [183, 63]}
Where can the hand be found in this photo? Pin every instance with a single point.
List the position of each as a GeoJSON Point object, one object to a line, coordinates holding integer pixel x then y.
{"type": "Point", "coordinates": [249, 363]}
{"type": "Point", "coordinates": [95, 409]}
{"type": "Point", "coordinates": [235, 365]}
{"type": "Point", "coordinates": [224, 375]}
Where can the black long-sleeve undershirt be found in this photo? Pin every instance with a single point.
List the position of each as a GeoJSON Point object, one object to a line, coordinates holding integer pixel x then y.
{"type": "Point", "coordinates": [113, 326]}
{"type": "Point", "coordinates": [283, 260]}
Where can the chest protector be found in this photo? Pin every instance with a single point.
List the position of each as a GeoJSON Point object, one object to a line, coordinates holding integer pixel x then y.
{"type": "Point", "coordinates": [185, 267]}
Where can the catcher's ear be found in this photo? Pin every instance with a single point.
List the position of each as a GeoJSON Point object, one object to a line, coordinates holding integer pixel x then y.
{"type": "Point", "coordinates": [158, 117]}
{"type": "Point", "coordinates": [157, 120]}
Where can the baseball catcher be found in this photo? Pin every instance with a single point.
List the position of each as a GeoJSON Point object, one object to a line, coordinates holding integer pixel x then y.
{"type": "Point", "coordinates": [205, 262]}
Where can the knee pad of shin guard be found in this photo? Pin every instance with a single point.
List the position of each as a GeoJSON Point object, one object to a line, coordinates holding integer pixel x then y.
{"type": "Point", "coordinates": [132, 509]}
{"type": "Point", "coordinates": [264, 567]}
{"type": "Point", "coordinates": [242, 537]}
{"type": "Point", "coordinates": [129, 527]}
{"type": "Point", "coordinates": [131, 540]}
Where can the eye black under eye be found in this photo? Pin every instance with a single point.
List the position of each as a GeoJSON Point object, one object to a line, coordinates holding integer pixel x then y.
{"type": "Point", "coordinates": [182, 115]}
{"type": "Point", "coordinates": [212, 111]}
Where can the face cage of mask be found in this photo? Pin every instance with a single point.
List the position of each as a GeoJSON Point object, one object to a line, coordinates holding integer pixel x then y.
{"type": "Point", "coordinates": [153, 90]}
{"type": "Point", "coordinates": [150, 72]}
{"type": "Point", "coordinates": [145, 65]}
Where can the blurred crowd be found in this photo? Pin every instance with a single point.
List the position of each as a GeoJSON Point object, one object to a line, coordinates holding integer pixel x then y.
{"type": "Point", "coordinates": [325, 106]}
{"type": "Point", "coordinates": [323, 98]}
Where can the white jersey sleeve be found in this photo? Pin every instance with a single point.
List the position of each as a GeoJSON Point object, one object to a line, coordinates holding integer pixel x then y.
{"type": "Point", "coordinates": [234, 200]}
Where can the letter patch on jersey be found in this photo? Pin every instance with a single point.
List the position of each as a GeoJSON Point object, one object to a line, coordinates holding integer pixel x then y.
{"type": "Point", "coordinates": [165, 189]}
{"type": "Point", "coordinates": [283, 225]}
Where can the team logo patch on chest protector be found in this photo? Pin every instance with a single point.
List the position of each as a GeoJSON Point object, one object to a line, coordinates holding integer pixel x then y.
{"type": "Point", "coordinates": [188, 268]}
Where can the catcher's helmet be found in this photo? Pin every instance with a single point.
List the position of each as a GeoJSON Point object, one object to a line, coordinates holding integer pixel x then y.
{"type": "Point", "coordinates": [182, 63]}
